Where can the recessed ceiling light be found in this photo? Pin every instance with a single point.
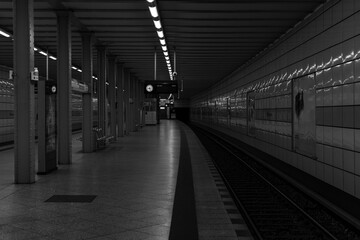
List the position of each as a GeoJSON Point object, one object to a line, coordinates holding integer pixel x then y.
{"type": "Point", "coordinates": [157, 24]}
{"type": "Point", "coordinates": [154, 12]}
{"type": "Point", "coordinates": [4, 34]}
{"type": "Point", "coordinates": [160, 34]}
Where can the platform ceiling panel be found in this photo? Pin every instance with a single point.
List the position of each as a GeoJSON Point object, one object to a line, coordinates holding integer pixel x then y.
{"type": "Point", "coordinates": [212, 38]}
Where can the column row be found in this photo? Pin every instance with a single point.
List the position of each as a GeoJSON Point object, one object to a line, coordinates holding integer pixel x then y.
{"type": "Point", "coordinates": [116, 96]}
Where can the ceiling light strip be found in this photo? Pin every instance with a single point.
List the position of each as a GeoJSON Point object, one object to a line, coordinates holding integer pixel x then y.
{"type": "Point", "coordinates": [160, 32]}
{"type": "Point", "coordinates": [6, 34]}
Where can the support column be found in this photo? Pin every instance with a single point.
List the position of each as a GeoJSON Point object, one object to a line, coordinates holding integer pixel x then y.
{"type": "Point", "coordinates": [101, 87]}
{"type": "Point", "coordinates": [23, 22]}
{"type": "Point", "coordinates": [127, 105]}
{"type": "Point", "coordinates": [87, 72]}
{"type": "Point", "coordinates": [112, 96]}
{"type": "Point", "coordinates": [137, 108]}
{"type": "Point", "coordinates": [120, 98]}
{"type": "Point", "coordinates": [142, 99]}
{"type": "Point", "coordinates": [136, 123]}
{"type": "Point", "coordinates": [64, 152]}
{"type": "Point", "coordinates": [132, 105]}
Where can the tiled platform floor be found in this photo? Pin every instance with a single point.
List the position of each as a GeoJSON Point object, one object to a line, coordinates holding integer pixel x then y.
{"type": "Point", "coordinates": [134, 180]}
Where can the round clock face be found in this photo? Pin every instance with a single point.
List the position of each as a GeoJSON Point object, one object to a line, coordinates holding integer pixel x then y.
{"type": "Point", "coordinates": [149, 88]}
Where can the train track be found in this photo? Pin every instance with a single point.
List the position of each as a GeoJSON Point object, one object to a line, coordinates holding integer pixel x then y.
{"type": "Point", "coordinates": [273, 208]}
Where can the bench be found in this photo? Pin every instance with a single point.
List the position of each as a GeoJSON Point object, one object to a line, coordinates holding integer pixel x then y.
{"type": "Point", "coordinates": [101, 139]}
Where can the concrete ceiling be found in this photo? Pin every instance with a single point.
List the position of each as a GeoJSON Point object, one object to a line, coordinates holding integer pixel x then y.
{"type": "Point", "coordinates": [212, 38]}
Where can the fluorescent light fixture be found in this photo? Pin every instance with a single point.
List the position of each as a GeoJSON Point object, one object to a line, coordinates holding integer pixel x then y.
{"type": "Point", "coordinates": [43, 53]}
{"type": "Point", "coordinates": [53, 58]}
{"type": "Point", "coordinates": [157, 24]}
{"type": "Point", "coordinates": [4, 34]}
{"type": "Point", "coordinates": [74, 68]}
{"type": "Point", "coordinates": [79, 70]}
{"type": "Point", "coordinates": [35, 49]}
{"type": "Point", "coordinates": [107, 83]}
{"type": "Point", "coordinates": [154, 12]}
{"type": "Point", "coordinates": [160, 34]}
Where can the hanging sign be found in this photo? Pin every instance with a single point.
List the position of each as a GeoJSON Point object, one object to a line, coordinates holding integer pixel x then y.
{"type": "Point", "coordinates": [161, 87]}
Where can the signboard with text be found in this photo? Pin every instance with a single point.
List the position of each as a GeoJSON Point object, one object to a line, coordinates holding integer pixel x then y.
{"type": "Point", "coordinates": [157, 87]}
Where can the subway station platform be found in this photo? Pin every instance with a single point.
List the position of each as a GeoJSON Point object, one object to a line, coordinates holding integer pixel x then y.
{"type": "Point", "coordinates": [136, 188]}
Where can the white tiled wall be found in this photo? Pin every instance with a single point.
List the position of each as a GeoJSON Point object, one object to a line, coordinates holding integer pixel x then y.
{"type": "Point", "coordinates": [327, 44]}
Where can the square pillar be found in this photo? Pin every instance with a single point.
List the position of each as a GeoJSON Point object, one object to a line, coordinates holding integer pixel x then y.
{"type": "Point", "coordinates": [120, 98]}
{"type": "Point", "coordinates": [87, 72]}
{"type": "Point", "coordinates": [112, 96]}
{"type": "Point", "coordinates": [126, 101]}
{"type": "Point", "coordinates": [132, 105]}
{"type": "Point", "coordinates": [64, 126]}
{"type": "Point", "coordinates": [142, 98]}
{"type": "Point", "coordinates": [24, 121]}
{"type": "Point", "coordinates": [101, 88]}
{"type": "Point", "coordinates": [137, 109]}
